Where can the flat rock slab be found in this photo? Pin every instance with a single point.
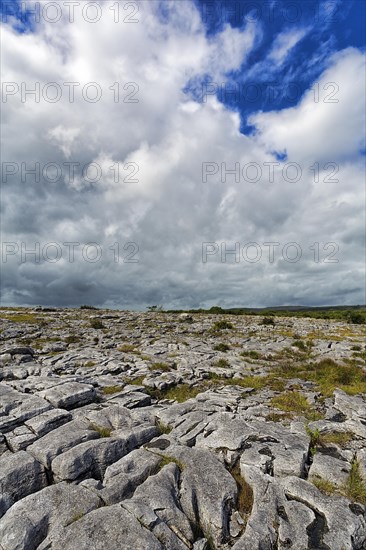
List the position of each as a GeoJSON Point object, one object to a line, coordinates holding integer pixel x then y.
{"type": "Point", "coordinates": [111, 527]}
{"type": "Point", "coordinates": [48, 421]}
{"type": "Point", "coordinates": [60, 440]}
{"type": "Point", "coordinates": [69, 395]}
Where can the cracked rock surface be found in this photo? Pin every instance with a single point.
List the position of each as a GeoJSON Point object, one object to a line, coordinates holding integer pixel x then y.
{"type": "Point", "coordinates": [124, 430]}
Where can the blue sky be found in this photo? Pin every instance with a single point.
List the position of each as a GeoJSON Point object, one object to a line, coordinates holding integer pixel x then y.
{"type": "Point", "coordinates": [246, 125]}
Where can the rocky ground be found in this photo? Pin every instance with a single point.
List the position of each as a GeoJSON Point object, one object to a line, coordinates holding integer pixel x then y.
{"type": "Point", "coordinates": [144, 431]}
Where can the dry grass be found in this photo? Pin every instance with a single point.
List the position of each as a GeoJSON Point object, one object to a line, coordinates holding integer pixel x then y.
{"type": "Point", "coordinates": [127, 348]}
{"type": "Point", "coordinates": [245, 494]}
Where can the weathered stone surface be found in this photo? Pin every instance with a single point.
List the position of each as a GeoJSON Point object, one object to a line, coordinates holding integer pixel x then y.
{"type": "Point", "coordinates": [207, 490]}
{"type": "Point", "coordinates": [88, 459]}
{"type": "Point", "coordinates": [332, 469]}
{"type": "Point", "coordinates": [161, 493]}
{"type": "Point", "coordinates": [60, 440]}
{"type": "Point", "coordinates": [101, 420]}
{"type": "Point", "coordinates": [124, 476]}
{"type": "Point", "coordinates": [112, 527]}
{"type": "Point", "coordinates": [68, 395]}
{"type": "Point", "coordinates": [40, 516]}
{"type": "Point", "coordinates": [20, 475]}
{"type": "Point", "coordinates": [48, 421]}
{"type": "Point", "coordinates": [343, 530]}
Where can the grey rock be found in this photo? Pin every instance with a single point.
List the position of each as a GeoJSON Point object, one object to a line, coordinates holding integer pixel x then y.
{"type": "Point", "coordinates": [20, 475]}
{"type": "Point", "coordinates": [66, 396]}
{"type": "Point", "coordinates": [112, 527]}
{"type": "Point", "coordinates": [38, 517]}
{"type": "Point", "coordinates": [48, 421]}
{"type": "Point", "coordinates": [60, 440]}
{"type": "Point", "coordinates": [329, 468]}
{"type": "Point", "coordinates": [124, 476]}
{"type": "Point", "coordinates": [344, 530]}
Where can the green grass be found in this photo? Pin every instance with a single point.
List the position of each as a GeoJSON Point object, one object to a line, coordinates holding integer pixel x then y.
{"type": "Point", "coordinates": [23, 318]}
{"type": "Point", "coordinates": [278, 417]}
{"type": "Point", "coordinates": [221, 347]}
{"type": "Point", "coordinates": [296, 403]}
{"type": "Point", "coordinates": [179, 393]}
{"type": "Point", "coordinates": [96, 323]}
{"type": "Point", "coordinates": [300, 344]}
{"type": "Point", "coordinates": [164, 367]}
{"type": "Point", "coordinates": [250, 353]}
{"type": "Point", "coordinates": [258, 382]}
{"type": "Point", "coordinates": [327, 374]}
{"type": "Point", "coordinates": [324, 485]}
{"type": "Point", "coordinates": [127, 348]}
{"type": "Point", "coordinates": [165, 460]}
{"type": "Point", "coordinates": [222, 363]}
{"type": "Point", "coordinates": [103, 432]}
{"type": "Point", "coordinates": [339, 438]}
{"type": "Point", "coordinates": [355, 487]}
{"type": "Point", "coordinates": [163, 428]}
{"type": "Point", "coordinates": [109, 390]}
{"type": "Point", "coordinates": [38, 343]}
{"type": "Point", "coordinates": [136, 381]}
{"type": "Point", "coordinates": [221, 325]}
{"type": "Point", "coordinates": [72, 339]}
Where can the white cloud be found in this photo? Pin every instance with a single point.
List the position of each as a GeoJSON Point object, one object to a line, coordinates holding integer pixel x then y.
{"type": "Point", "coordinates": [170, 212]}
{"type": "Point", "coordinates": [284, 43]}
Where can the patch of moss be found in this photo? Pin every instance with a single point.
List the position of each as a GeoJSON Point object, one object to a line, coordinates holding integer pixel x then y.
{"type": "Point", "coordinates": [29, 318]}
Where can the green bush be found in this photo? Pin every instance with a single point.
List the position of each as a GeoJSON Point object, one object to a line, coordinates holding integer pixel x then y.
{"type": "Point", "coordinates": [221, 347]}
{"type": "Point", "coordinates": [222, 325]}
{"type": "Point", "coordinates": [96, 323]}
{"type": "Point", "coordinates": [356, 318]}
{"type": "Point", "coordinates": [267, 321]}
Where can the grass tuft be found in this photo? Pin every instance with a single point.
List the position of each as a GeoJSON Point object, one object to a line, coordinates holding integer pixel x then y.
{"type": "Point", "coordinates": [102, 431]}
{"type": "Point", "coordinates": [109, 390]}
{"type": "Point", "coordinates": [296, 403]}
{"type": "Point", "coordinates": [221, 347]}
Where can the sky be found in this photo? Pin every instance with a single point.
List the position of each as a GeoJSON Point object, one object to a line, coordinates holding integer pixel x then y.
{"type": "Point", "coordinates": [183, 153]}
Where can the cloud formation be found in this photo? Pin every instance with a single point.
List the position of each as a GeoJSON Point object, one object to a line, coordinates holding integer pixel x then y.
{"type": "Point", "coordinates": [130, 166]}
